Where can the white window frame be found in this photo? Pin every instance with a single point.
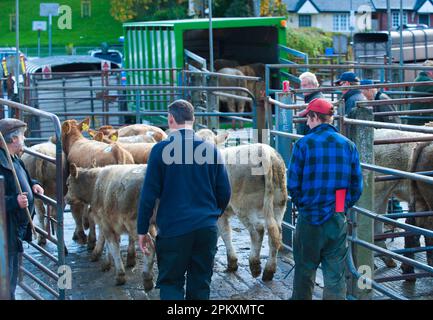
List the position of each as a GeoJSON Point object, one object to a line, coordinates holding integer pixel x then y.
{"type": "Point", "coordinates": [396, 19]}
{"type": "Point", "coordinates": [341, 22]}
{"type": "Point", "coordinates": [305, 16]}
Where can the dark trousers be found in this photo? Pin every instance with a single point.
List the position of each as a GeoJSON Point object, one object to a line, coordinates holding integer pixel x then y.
{"type": "Point", "coordinates": [14, 267]}
{"type": "Point", "coordinates": [325, 244]}
{"type": "Point", "coordinates": [192, 254]}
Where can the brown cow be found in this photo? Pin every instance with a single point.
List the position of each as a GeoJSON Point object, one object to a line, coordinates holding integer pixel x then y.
{"type": "Point", "coordinates": [45, 173]}
{"type": "Point", "coordinates": [257, 176]}
{"type": "Point", "coordinates": [87, 153]}
{"type": "Point", "coordinates": [233, 105]}
{"type": "Point", "coordinates": [114, 202]}
{"type": "Point", "coordinates": [139, 151]}
{"type": "Point", "coordinates": [135, 130]}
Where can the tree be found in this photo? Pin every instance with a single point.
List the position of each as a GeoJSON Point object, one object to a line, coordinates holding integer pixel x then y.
{"type": "Point", "coordinates": [270, 8]}
{"type": "Point", "coordinates": [127, 10]}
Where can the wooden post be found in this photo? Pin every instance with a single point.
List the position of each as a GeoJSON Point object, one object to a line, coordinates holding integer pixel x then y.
{"type": "Point", "coordinates": [4, 264]}
{"type": "Point", "coordinates": [363, 138]}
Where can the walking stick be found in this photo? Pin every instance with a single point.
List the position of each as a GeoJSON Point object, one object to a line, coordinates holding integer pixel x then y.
{"type": "Point", "coordinates": [20, 191]}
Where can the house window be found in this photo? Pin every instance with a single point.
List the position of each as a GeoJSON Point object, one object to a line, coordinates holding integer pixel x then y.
{"type": "Point", "coordinates": [396, 19]}
{"type": "Point", "coordinates": [304, 20]}
{"type": "Point", "coordinates": [341, 22]}
{"type": "Point", "coordinates": [86, 8]}
{"type": "Point", "coordinates": [424, 19]}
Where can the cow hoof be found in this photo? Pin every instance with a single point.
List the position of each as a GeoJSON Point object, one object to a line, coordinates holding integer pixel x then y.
{"type": "Point", "coordinates": [232, 265]}
{"type": "Point", "coordinates": [91, 245]}
{"type": "Point", "coordinates": [80, 237]}
{"type": "Point", "coordinates": [148, 285]}
{"type": "Point", "coordinates": [130, 261]}
{"type": "Point", "coordinates": [42, 241]}
{"type": "Point", "coordinates": [406, 269]}
{"type": "Point", "coordinates": [106, 266]}
{"type": "Point", "coordinates": [120, 279]}
{"type": "Point", "coordinates": [389, 262]}
{"type": "Point", "coordinates": [268, 275]}
{"type": "Point", "coordinates": [95, 257]}
{"type": "Point", "coordinates": [255, 268]}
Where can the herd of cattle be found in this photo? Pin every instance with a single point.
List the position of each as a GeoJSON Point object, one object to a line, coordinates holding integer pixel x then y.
{"type": "Point", "coordinates": [105, 175]}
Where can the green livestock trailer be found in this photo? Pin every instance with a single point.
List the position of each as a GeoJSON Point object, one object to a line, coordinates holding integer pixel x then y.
{"type": "Point", "coordinates": [157, 51]}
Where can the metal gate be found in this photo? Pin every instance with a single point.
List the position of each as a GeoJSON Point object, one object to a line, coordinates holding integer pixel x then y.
{"type": "Point", "coordinates": [56, 274]}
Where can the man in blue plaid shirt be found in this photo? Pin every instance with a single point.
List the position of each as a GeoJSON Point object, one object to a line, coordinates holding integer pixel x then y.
{"type": "Point", "coordinates": [322, 162]}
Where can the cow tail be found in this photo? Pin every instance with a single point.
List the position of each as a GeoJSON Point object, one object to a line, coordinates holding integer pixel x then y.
{"type": "Point", "coordinates": [274, 231]}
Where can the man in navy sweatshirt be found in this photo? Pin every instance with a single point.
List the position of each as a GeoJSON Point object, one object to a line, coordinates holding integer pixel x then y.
{"type": "Point", "coordinates": [189, 178]}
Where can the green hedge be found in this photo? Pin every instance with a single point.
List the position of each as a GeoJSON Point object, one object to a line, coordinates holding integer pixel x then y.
{"type": "Point", "coordinates": [312, 41]}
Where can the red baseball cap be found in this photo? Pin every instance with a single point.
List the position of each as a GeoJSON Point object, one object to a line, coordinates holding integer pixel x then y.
{"type": "Point", "coordinates": [318, 105]}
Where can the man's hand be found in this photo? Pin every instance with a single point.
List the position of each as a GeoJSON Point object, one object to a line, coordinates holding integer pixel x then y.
{"type": "Point", "coordinates": [146, 244]}
{"type": "Point", "coordinates": [38, 189]}
{"type": "Point", "coordinates": [22, 200]}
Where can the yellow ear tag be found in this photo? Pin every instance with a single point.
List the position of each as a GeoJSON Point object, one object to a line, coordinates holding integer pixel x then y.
{"type": "Point", "coordinates": [114, 138]}
{"type": "Point", "coordinates": [85, 127]}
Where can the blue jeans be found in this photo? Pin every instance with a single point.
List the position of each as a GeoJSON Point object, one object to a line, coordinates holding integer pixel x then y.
{"type": "Point", "coordinates": [14, 267]}
{"type": "Point", "coordinates": [192, 254]}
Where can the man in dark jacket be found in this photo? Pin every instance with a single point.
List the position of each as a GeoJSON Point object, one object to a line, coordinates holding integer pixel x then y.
{"type": "Point", "coordinates": [18, 227]}
{"type": "Point", "coordinates": [188, 177]}
{"type": "Point", "coordinates": [308, 81]}
{"type": "Point", "coordinates": [428, 90]}
{"type": "Point", "coordinates": [374, 94]}
{"type": "Point", "coordinates": [353, 95]}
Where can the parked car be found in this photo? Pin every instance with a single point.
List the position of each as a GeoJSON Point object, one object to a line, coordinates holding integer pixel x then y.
{"type": "Point", "coordinates": [110, 55]}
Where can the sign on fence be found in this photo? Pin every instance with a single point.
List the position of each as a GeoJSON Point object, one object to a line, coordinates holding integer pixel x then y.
{"type": "Point", "coordinates": [46, 71]}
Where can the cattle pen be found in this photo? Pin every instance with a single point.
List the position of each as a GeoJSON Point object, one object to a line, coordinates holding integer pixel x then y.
{"type": "Point", "coordinates": [276, 115]}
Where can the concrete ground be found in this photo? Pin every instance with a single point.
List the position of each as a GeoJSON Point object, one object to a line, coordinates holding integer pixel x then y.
{"type": "Point", "coordinates": [90, 283]}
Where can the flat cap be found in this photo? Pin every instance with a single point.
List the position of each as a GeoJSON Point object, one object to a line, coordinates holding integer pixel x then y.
{"type": "Point", "coordinates": [9, 125]}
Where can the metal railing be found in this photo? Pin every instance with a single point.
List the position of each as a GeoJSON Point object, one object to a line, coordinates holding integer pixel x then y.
{"type": "Point", "coordinates": [4, 262]}
{"type": "Point", "coordinates": [59, 259]}
{"type": "Point", "coordinates": [391, 174]}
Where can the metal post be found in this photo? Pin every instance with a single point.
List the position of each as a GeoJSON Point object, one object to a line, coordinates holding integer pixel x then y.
{"type": "Point", "coordinates": [50, 23]}
{"type": "Point", "coordinates": [284, 123]}
{"type": "Point", "coordinates": [39, 43]}
{"type": "Point", "coordinates": [401, 40]}
{"type": "Point", "coordinates": [210, 37]}
{"type": "Point", "coordinates": [137, 107]}
{"type": "Point", "coordinates": [4, 264]}
{"type": "Point", "coordinates": [60, 206]}
{"type": "Point", "coordinates": [17, 33]}
{"type": "Point", "coordinates": [389, 44]}
{"type": "Point", "coordinates": [363, 138]}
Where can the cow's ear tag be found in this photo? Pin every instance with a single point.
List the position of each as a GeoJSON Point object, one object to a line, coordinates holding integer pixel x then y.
{"type": "Point", "coordinates": [113, 138]}
{"type": "Point", "coordinates": [85, 127]}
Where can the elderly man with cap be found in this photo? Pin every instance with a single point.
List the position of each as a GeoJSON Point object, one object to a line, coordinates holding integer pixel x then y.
{"type": "Point", "coordinates": [425, 75]}
{"type": "Point", "coordinates": [308, 81]}
{"type": "Point", "coordinates": [18, 227]}
{"type": "Point", "coordinates": [374, 94]}
{"type": "Point", "coordinates": [353, 95]}
{"type": "Point", "coordinates": [324, 181]}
